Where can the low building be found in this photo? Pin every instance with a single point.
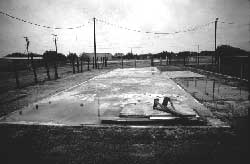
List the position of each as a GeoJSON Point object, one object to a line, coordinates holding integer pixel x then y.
{"type": "Point", "coordinates": [99, 55]}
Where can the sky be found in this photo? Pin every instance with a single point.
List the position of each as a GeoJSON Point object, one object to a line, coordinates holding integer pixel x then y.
{"type": "Point", "coordinates": [167, 16]}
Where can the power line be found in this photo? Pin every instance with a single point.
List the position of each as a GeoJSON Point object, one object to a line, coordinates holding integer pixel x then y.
{"type": "Point", "coordinates": [238, 42]}
{"type": "Point", "coordinates": [233, 23]}
{"type": "Point", "coordinates": [121, 27]}
{"type": "Point", "coordinates": [198, 27]}
{"type": "Point", "coordinates": [39, 25]}
{"type": "Point", "coordinates": [195, 28]}
{"type": "Point", "coordinates": [226, 22]}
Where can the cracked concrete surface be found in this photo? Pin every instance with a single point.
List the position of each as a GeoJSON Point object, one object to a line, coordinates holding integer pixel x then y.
{"type": "Point", "coordinates": [125, 92]}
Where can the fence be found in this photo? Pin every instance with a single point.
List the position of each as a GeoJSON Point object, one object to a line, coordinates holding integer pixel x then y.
{"type": "Point", "coordinates": [20, 73]}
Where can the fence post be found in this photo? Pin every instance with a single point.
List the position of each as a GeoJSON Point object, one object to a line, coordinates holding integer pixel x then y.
{"type": "Point", "coordinates": [152, 61]}
{"type": "Point", "coordinates": [47, 70]}
{"type": "Point", "coordinates": [198, 59]}
{"type": "Point", "coordinates": [213, 88]}
{"type": "Point", "coordinates": [73, 64]}
{"type": "Point", "coordinates": [103, 62]}
{"type": "Point", "coordinates": [122, 61]}
{"type": "Point", "coordinates": [184, 60]}
{"type": "Point", "coordinates": [34, 71]}
{"type": "Point", "coordinates": [106, 61]}
{"type": "Point", "coordinates": [97, 62]}
{"type": "Point", "coordinates": [77, 64]}
{"type": "Point", "coordinates": [81, 63]}
{"type": "Point", "coordinates": [15, 64]}
{"type": "Point", "coordinates": [33, 68]}
{"type": "Point", "coordinates": [55, 67]}
{"type": "Point", "coordinates": [88, 60]}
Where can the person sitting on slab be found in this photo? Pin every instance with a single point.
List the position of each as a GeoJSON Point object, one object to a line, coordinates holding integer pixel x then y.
{"type": "Point", "coordinates": [163, 107]}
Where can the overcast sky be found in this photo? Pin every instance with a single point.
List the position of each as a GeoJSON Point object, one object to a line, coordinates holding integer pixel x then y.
{"type": "Point", "coordinates": [145, 15]}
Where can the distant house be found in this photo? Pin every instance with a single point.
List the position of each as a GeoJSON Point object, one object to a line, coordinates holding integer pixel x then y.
{"type": "Point", "coordinates": [118, 55]}
{"type": "Point", "coordinates": [99, 55]}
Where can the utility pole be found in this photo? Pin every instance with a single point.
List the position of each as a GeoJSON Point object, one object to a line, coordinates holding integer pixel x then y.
{"type": "Point", "coordinates": [27, 49]}
{"type": "Point", "coordinates": [27, 45]}
{"type": "Point", "coordinates": [215, 30]}
{"type": "Point", "coordinates": [198, 55]}
{"type": "Point", "coordinates": [122, 60]}
{"type": "Point", "coordinates": [32, 61]}
{"type": "Point", "coordinates": [95, 45]}
{"type": "Point", "coordinates": [55, 40]}
{"type": "Point", "coordinates": [55, 64]}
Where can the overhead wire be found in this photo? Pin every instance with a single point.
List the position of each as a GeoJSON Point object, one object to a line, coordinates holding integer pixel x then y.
{"type": "Point", "coordinates": [40, 25]}
{"type": "Point", "coordinates": [105, 22]}
{"type": "Point", "coordinates": [233, 23]}
{"type": "Point", "coordinates": [198, 27]}
{"type": "Point", "coordinates": [157, 34]}
{"type": "Point", "coordinates": [151, 32]}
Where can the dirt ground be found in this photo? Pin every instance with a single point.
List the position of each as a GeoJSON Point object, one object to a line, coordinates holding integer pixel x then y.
{"type": "Point", "coordinates": [129, 144]}
{"type": "Point", "coordinates": [229, 99]}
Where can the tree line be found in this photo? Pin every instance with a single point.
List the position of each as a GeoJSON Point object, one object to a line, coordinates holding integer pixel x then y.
{"type": "Point", "coordinates": [222, 50]}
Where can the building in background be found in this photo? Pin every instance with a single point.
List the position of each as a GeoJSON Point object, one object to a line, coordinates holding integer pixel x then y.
{"type": "Point", "coordinates": [99, 55]}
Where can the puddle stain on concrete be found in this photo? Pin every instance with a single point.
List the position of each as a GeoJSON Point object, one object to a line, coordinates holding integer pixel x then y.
{"type": "Point", "coordinates": [121, 91]}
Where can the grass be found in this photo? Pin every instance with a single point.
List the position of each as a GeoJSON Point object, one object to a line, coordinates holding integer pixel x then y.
{"type": "Point", "coordinates": [114, 144]}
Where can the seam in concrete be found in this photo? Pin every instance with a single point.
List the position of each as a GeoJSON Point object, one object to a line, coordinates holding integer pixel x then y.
{"type": "Point", "coordinates": [188, 93]}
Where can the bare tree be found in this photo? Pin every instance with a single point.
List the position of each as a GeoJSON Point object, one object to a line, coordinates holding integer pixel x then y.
{"type": "Point", "coordinates": [72, 57]}
{"type": "Point", "coordinates": [52, 57]}
{"type": "Point", "coordinates": [84, 57]}
{"type": "Point", "coordinates": [46, 59]}
{"type": "Point", "coordinates": [77, 64]}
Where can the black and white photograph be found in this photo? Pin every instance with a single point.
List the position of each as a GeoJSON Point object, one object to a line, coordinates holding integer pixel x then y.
{"type": "Point", "coordinates": [124, 81]}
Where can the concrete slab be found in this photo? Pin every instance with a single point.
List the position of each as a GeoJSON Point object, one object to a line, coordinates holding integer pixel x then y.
{"type": "Point", "coordinates": [121, 92]}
